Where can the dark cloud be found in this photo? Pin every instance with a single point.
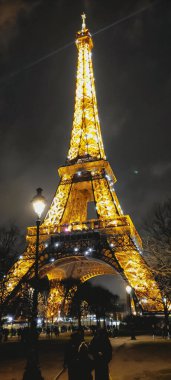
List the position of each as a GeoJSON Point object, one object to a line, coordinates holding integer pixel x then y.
{"type": "Point", "coordinates": [161, 169]}
{"type": "Point", "coordinates": [10, 12]}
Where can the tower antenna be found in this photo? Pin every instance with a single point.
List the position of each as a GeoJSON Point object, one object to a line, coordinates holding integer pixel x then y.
{"type": "Point", "coordinates": [83, 23]}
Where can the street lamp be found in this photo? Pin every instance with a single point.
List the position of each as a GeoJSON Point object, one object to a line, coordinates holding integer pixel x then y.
{"type": "Point", "coordinates": [32, 370]}
{"type": "Point", "coordinates": [39, 204]}
{"type": "Point", "coordinates": [129, 290]}
{"type": "Point", "coordinates": [166, 316]}
{"type": "Point", "coordinates": [132, 325]}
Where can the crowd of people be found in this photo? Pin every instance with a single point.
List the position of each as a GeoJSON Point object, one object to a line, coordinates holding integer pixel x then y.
{"type": "Point", "coordinates": [21, 333]}
{"type": "Point", "coordinates": [161, 329]}
{"type": "Point", "coordinates": [51, 331]}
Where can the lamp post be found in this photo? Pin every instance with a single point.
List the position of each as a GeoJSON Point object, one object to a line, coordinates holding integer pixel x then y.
{"type": "Point", "coordinates": [128, 291]}
{"type": "Point", "coordinates": [166, 317]}
{"type": "Point", "coordinates": [132, 325]}
{"type": "Point", "coordinates": [32, 370]}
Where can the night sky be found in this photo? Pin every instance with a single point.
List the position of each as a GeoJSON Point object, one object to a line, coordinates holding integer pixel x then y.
{"type": "Point", "coordinates": [132, 67]}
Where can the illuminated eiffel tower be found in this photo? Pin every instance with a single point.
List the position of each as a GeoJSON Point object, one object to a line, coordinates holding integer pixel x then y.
{"type": "Point", "coordinates": [72, 243]}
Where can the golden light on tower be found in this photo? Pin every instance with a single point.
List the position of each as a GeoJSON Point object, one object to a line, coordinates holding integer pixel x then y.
{"type": "Point", "coordinates": [85, 179]}
{"type": "Point", "coordinates": [86, 140]}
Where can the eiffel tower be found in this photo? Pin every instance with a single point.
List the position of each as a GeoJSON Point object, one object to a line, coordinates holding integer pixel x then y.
{"type": "Point", "coordinates": [72, 241]}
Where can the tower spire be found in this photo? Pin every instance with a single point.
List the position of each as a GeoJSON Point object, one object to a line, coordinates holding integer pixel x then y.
{"type": "Point", "coordinates": [86, 141]}
{"type": "Point", "coordinates": [83, 16]}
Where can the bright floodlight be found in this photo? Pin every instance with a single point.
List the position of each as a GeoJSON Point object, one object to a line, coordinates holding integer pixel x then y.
{"type": "Point", "coordinates": [128, 289]}
{"type": "Point", "coordinates": [10, 319]}
{"type": "Point", "coordinates": [39, 202]}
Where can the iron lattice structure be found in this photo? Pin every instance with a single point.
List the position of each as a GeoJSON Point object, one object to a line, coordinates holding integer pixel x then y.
{"type": "Point", "coordinates": [109, 243]}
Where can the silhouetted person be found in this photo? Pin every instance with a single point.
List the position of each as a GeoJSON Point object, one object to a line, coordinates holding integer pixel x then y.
{"type": "Point", "coordinates": [6, 334]}
{"type": "Point", "coordinates": [84, 363]}
{"type": "Point", "coordinates": [56, 331]}
{"type": "Point", "coordinates": [132, 328]}
{"type": "Point", "coordinates": [101, 349]}
{"type": "Point", "coordinates": [48, 332]}
{"type": "Point", "coordinates": [1, 334]}
{"type": "Point", "coordinates": [71, 356]}
{"type": "Point", "coordinates": [153, 327]}
{"type": "Point", "coordinates": [165, 330]}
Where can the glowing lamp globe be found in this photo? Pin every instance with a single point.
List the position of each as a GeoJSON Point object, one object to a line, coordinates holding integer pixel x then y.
{"type": "Point", "coordinates": [128, 289]}
{"type": "Point", "coordinates": [39, 202]}
{"type": "Point", "coordinates": [164, 299]}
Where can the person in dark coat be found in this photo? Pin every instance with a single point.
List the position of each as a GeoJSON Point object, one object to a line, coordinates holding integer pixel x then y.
{"type": "Point", "coordinates": [101, 349]}
{"type": "Point", "coordinates": [71, 356]}
{"type": "Point", "coordinates": [84, 363]}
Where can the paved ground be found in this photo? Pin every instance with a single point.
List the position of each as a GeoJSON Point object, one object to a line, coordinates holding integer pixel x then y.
{"type": "Point", "coordinates": [142, 359]}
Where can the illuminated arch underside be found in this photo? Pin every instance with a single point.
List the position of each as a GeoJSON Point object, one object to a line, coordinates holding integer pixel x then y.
{"type": "Point", "coordinates": [76, 267]}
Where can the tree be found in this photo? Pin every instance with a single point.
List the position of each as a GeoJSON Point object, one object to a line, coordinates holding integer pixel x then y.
{"type": "Point", "coordinates": [53, 299]}
{"type": "Point", "coordinates": [11, 246]}
{"type": "Point", "coordinates": [69, 286]}
{"type": "Point", "coordinates": [21, 304]}
{"type": "Point", "coordinates": [76, 306]}
{"type": "Point", "coordinates": [157, 249]}
{"type": "Point", "coordinates": [100, 301]}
